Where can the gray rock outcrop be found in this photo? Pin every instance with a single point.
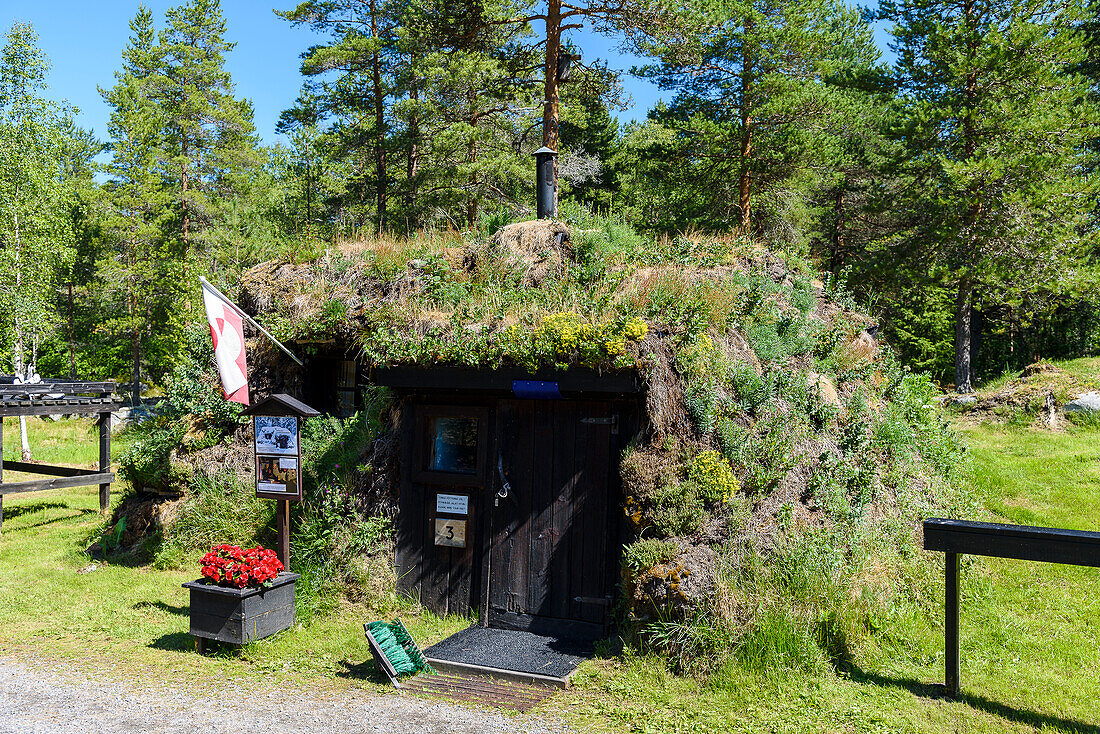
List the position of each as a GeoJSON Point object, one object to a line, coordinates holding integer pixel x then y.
{"type": "Point", "coordinates": [1088, 402]}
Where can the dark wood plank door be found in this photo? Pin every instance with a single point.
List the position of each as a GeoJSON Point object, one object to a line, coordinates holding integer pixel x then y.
{"type": "Point", "coordinates": [553, 550]}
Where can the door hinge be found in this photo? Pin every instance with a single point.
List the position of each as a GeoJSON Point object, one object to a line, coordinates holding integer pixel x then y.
{"type": "Point", "coordinates": [613, 421]}
{"type": "Point", "coordinates": [603, 601]}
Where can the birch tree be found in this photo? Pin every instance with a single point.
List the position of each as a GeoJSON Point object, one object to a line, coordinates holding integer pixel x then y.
{"type": "Point", "coordinates": [35, 232]}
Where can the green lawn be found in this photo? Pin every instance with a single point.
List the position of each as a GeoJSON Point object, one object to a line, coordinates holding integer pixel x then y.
{"type": "Point", "coordinates": [1031, 632]}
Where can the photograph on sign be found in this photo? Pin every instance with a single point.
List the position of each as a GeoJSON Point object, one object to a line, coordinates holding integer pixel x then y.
{"type": "Point", "coordinates": [452, 504]}
{"type": "Point", "coordinates": [272, 477]}
{"type": "Point", "coordinates": [277, 434]}
{"type": "Point", "coordinates": [450, 533]}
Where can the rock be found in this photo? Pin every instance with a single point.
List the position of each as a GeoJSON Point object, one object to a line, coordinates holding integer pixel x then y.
{"type": "Point", "coordinates": [1038, 368]}
{"type": "Point", "coordinates": [962, 399]}
{"type": "Point", "coordinates": [1088, 402]}
{"type": "Point", "coordinates": [145, 515]}
{"type": "Point", "coordinates": [1049, 417]}
{"type": "Point", "coordinates": [676, 589]}
{"type": "Point", "coordinates": [127, 416]}
{"type": "Point", "coordinates": [863, 348]}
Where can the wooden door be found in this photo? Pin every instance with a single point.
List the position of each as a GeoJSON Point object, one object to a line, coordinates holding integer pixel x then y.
{"type": "Point", "coordinates": [552, 548]}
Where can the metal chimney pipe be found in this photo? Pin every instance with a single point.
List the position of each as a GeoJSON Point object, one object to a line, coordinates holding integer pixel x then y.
{"type": "Point", "coordinates": [545, 183]}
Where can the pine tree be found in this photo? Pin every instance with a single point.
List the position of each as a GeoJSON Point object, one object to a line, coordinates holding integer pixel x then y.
{"type": "Point", "coordinates": [210, 138]}
{"type": "Point", "coordinates": [441, 85]}
{"type": "Point", "coordinates": [139, 275]}
{"type": "Point", "coordinates": [753, 112]}
{"type": "Point", "coordinates": [365, 39]}
{"type": "Point", "coordinates": [308, 158]}
{"type": "Point", "coordinates": [996, 124]}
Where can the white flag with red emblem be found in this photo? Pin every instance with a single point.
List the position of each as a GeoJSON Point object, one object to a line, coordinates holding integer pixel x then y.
{"type": "Point", "coordinates": [227, 330]}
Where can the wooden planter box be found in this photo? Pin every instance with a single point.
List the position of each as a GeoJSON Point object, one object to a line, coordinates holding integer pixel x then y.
{"type": "Point", "coordinates": [238, 616]}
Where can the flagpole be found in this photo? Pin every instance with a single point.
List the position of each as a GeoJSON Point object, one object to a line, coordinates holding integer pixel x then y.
{"type": "Point", "coordinates": [251, 320]}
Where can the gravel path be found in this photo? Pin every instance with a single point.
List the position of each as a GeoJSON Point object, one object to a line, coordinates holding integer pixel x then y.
{"type": "Point", "coordinates": [37, 701]}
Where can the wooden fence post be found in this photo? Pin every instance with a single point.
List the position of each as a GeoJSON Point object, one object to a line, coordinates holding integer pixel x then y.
{"type": "Point", "coordinates": [282, 526]}
{"type": "Point", "coordinates": [951, 624]}
{"type": "Point", "coordinates": [104, 458]}
{"type": "Point", "coordinates": [1, 471]}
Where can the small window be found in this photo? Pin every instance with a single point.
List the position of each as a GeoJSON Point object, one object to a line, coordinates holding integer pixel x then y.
{"type": "Point", "coordinates": [453, 444]}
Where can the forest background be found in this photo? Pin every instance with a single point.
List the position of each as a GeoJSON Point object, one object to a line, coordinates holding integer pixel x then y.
{"type": "Point", "coordinates": [953, 190]}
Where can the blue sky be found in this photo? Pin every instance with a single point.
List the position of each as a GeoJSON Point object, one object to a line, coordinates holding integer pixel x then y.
{"type": "Point", "coordinates": [84, 40]}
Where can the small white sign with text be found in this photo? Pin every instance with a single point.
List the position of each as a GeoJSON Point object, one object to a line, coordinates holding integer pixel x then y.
{"type": "Point", "coordinates": [452, 504]}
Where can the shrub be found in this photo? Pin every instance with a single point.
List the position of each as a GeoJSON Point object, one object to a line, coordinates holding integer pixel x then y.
{"type": "Point", "coordinates": [218, 509]}
{"type": "Point", "coordinates": [660, 499]}
{"type": "Point", "coordinates": [713, 476]}
{"type": "Point", "coordinates": [647, 553]}
{"type": "Point", "coordinates": [193, 415]}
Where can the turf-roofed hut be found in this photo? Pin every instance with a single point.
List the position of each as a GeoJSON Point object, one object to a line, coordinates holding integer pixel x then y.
{"type": "Point", "coordinates": [591, 426]}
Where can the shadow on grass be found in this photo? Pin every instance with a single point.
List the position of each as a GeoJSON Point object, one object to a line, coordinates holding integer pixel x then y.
{"type": "Point", "coordinates": [182, 611]}
{"type": "Point", "coordinates": [937, 691]}
{"type": "Point", "coordinates": [174, 641]}
{"type": "Point", "coordinates": [63, 518]}
{"type": "Point", "coordinates": [13, 511]}
{"type": "Point", "coordinates": [364, 671]}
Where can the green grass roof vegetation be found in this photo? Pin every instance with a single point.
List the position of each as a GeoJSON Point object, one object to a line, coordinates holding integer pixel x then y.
{"type": "Point", "coordinates": [776, 496]}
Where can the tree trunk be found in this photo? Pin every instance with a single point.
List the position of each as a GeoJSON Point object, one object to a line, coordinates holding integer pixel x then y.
{"type": "Point", "coordinates": [310, 185]}
{"type": "Point", "coordinates": [964, 301]}
{"type": "Point", "coordinates": [381, 184]}
{"type": "Point", "coordinates": [184, 184]}
{"type": "Point", "coordinates": [413, 169]}
{"type": "Point", "coordinates": [472, 197]}
{"type": "Point", "coordinates": [744, 179]}
{"type": "Point", "coordinates": [135, 355]}
{"type": "Point", "coordinates": [964, 312]}
{"type": "Point", "coordinates": [72, 344]}
{"type": "Point", "coordinates": [19, 347]}
{"type": "Point", "coordinates": [551, 104]}
{"type": "Point", "coordinates": [839, 244]}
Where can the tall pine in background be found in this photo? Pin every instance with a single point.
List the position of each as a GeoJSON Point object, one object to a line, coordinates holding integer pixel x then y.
{"type": "Point", "coordinates": [995, 122]}
{"type": "Point", "coordinates": [753, 114]}
{"type": "Point", "coordinates": [139, 272]}
{"type": "Point", "coordinates": [209, 136]}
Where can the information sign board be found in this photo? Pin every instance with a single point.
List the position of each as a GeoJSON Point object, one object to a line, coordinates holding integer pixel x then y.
{"type": "Point", "coordinates": [278, 460]}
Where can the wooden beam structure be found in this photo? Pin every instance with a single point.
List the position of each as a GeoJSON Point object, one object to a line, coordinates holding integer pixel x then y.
{"type": "Point", "coordinates": [1021, 542]}
{"type": "Point", "coordinates": [59, 397]}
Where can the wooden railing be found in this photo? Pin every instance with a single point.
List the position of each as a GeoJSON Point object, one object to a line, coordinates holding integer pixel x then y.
{"type": "Point", "coordinates": [958, 537]}
{"type": "Point", "coordinates": [51, 397]}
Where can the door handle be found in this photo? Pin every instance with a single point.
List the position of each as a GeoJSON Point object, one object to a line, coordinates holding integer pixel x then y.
{"type": "Point", "coordinates": [505, 487]}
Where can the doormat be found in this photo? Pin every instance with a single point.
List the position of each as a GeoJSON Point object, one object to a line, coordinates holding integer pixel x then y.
{"type": "Point", "coordinates": [522, 652]}
{"type": "Point", "coordinates": [479, 689]}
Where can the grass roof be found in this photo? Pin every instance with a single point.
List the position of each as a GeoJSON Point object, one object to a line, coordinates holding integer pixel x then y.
{"type": "Point", "coordinates": [779, 428]}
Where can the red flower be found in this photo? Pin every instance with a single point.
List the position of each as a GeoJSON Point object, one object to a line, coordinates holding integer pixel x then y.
{"type": "Point", "coordinates": [230, 565]}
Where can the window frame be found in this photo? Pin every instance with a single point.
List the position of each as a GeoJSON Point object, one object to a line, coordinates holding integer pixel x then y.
{"type": "Point", "coordinates": [422, 445]}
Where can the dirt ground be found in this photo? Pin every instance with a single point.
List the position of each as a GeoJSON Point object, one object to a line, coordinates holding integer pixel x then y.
{"type": "Point", "coordinates": [36, 698]}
